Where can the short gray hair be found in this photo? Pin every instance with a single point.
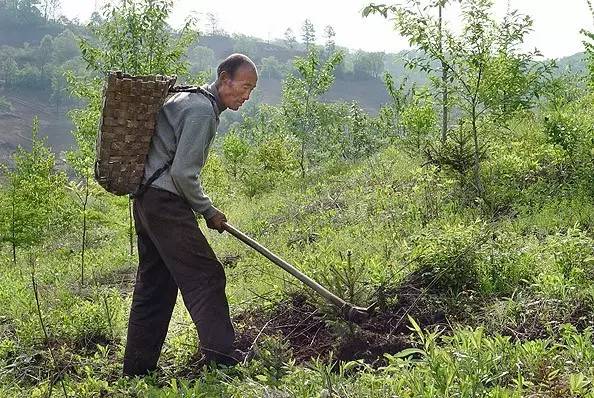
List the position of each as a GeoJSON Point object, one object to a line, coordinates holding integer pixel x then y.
{"type": "Point", "coordinates": [233, 62]}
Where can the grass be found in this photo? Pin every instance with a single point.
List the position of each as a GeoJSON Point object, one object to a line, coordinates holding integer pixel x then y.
{"type": "Point", "coordinates": [489, 298]}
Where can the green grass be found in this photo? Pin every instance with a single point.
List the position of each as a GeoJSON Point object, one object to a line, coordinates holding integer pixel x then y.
{"type": "Point", "coordinates": [512, 280]}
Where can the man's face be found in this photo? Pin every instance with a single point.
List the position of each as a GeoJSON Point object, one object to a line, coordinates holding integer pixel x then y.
{"type": "Point", "coordinates": [234, 91]}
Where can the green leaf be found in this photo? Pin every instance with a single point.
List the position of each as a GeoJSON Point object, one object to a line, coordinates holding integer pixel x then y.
{"type": "Point", "coordinates": [408, 352]}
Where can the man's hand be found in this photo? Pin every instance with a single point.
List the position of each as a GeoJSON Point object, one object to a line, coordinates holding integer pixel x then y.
{"type": "Point", "coordinates": [216, 221]}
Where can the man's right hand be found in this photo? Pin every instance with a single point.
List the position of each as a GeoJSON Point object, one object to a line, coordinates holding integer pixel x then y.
{"type": "Point", "coordinates": [216, 221]}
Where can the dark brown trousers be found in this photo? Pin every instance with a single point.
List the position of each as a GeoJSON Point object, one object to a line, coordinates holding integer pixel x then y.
{"type": "Point", "coordinates": [173, 253]}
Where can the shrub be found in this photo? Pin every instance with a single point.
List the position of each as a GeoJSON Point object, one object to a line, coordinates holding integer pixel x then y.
{"type": "Point", "coordinates": [573, 253]}
{"type": "Point", "coordinates": [518, 167]}
{"type": "Point", "coordinates": [269, 164]}
{"type": "Point", "coordinates": [419, 122]}
{"type": "Point", "coordinates": [448, 254]}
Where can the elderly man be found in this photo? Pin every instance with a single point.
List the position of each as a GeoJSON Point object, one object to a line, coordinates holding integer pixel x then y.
{"type": "Point", "coordinates": [173, 252]}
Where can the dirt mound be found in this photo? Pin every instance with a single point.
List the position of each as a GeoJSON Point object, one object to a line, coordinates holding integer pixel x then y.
{"type": "Point", "coordinates": [311, 332]}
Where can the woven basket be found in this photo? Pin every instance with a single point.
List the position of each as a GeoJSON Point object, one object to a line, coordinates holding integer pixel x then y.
{"type": "Point", "coordinates": [128, 121]}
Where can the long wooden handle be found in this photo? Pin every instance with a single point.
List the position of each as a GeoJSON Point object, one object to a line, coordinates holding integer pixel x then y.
{"type": "Point", "coordinates": [322, 291]}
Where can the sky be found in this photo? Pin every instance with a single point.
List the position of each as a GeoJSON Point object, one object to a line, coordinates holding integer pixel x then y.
{"type": "Point", "coordinates": [555, 31]}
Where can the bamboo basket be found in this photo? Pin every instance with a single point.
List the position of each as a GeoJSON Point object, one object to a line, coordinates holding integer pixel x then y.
{"type": "Point", "coordinates": [127, 124]}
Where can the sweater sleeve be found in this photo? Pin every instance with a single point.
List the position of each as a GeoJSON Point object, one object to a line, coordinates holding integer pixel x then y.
{"type": "Point", "coordinates": [196, 131]}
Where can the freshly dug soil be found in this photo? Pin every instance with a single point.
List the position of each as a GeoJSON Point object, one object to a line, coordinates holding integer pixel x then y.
{"type": "Point", "coordinates": [312, 333]}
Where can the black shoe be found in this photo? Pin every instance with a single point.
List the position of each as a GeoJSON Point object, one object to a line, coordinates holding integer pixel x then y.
{"type": "Point", "coordinates": [228, 359]}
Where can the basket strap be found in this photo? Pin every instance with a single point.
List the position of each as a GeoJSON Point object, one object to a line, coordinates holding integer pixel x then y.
{"type": "Point", "coordinates": [143, 187]}
{"type": "Point", "coordinates": [195, 89]}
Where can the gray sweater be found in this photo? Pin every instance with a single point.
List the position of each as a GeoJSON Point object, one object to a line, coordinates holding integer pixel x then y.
{"type": "Point", "coordinates": [186, 126]}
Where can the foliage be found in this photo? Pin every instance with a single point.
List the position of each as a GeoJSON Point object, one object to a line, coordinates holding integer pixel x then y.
{"type": "Point", "coordinates": [368, 65]}
{"type": "Point", "coordinates": [419, 122]}
{"type": "Point", "coordinates": [448, 254]}
{"type": "Point", "coordinates": [36, 202]}
{"type": "Point", "coordinates": [201, 59]}
{"type": "Point", "coordinates": [148, 47]}
{"type": "Point", "coordinates": [134, 37]}
{"type": "Point", "coordinates": [272, 68]}
{"type": "Point", "coordinates": [290, 40]}
{"type": "Point", "coordinates": [308, 34]}
{"type": "Point", "coordinates": [300, 98]}
{"type": "Point", "coordinates": [500, 285]}
{"type": "Point", "coordinates": [468, 57]}
{"type": "Point", "coordinates": [589, 45]}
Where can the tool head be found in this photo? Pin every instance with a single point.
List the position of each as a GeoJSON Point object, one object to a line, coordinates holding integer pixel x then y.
{"type": "Point", "coordinates": [356, 314]}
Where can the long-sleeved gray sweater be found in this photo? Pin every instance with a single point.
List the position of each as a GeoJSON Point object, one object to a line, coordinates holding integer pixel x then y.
{"type": "Point", "coordinates": [186, 126]}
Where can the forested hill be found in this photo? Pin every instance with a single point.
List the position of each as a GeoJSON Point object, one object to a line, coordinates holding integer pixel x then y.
{"type": "Point", "coordinates": [36, 50]}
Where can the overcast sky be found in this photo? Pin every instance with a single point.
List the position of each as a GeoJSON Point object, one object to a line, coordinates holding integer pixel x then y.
{"type": "Point", "coordinates": [555, 34]}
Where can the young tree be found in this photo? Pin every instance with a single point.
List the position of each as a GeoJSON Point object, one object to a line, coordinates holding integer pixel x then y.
{"type": "Point", "coordinates": [36, 196]}
{"type": "Point", "coordinates": [133, 37]}
{"type": "Point", "coordinates": [589, 45]}
{"type": "Point", "coordinates": [300, 98]}
{"type": "Point", "coordinates": [366, 65]}
{"type": "Point", "coordinates": [213, 23]}
{"type": "Point", "coordinates": [465, 56]}
{"type": "Point", "coordinates": [329, 33]}
{"type": "Point", "coordinates": [45, 51]}
{"type": "Point", "coordinates": [66, 47]}
{"type": "Point", "coordinates": [290, 40]}
{"type": "Point", "coordinates": [271, 67]}
{"type": "Point", "coordinates": [444, 74]}
{"type": "Point", "coordinates": [390, 115]}
{"type": "Point", "coordinates": [59, 86]}
{"type": "Point", "coordinates": [136, 38]}
{"type": "Point", "coordinates": [50, 8]}
{"type": "Point", "coordinates": [201, 59]}
{"type": "Point", "coordinates": [308, 34]}
{"type": "Point", "coordinates": [8, 70]}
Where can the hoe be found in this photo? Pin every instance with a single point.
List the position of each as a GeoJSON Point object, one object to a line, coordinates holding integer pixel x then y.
{"type": "Point", "coordinates": [351, 313]}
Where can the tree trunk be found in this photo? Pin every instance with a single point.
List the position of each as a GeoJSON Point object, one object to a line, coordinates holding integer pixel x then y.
{"type": "Point", "coordinates": [13, 229]}
{"type": "Point", "coordinates": [305, 133]}
{"type": "Point", "coordinates": [477, 176]}
{"type": "Point", "coordinates": [84, 233]}
{"type": "Point", "coordinates": [444, 82]}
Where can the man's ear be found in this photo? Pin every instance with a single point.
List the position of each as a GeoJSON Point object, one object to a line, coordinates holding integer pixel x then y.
{"type": "Point", "coordinates": [225, 77]}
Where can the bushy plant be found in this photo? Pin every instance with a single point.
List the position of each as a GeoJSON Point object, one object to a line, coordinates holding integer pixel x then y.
{"type": "Point", "coordinates": [86, 322]}
{"type": "Point", "coordinates": [563, 129]}
{"type": "Point", "coordinates": [235, 151]}
{"type": "Point", "coordinates": [457, 155]}
{"type": "Point", "coordinates": [36, 201]}
{"type": "Point", "coordinates": [269, 164]}
{"type": "Point", "coordinates": [507, 262]}
{"type": "Point", "coordinates": [574, 255]}
{"type": "Point", "coordinates": [520, 166]}
{"type": "Point", "coordinates": [419, 124]}
{"type": "Point", "coordinates": [448, 255]}
{"type": "Point", "coordinates": [300, 98]}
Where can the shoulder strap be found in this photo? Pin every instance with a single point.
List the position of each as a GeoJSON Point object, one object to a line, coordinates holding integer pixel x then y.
{"type": "Point", "coordinates": [196, 89]}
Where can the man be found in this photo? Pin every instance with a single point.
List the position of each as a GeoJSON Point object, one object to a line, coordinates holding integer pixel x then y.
{"type": "Point", "coordinates": [173, 252]}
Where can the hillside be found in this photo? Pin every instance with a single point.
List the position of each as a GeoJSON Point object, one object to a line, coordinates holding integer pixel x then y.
{"type": "Point", "coordinates": [367, 91]}
{"type": "Point", "coordinates": [472, 241]}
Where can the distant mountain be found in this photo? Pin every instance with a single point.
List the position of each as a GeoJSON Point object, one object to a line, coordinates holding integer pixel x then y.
{"type": "Point", "coordinates": [575, 63]}
{"type": "Point", "coordinates": [359, 78]}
